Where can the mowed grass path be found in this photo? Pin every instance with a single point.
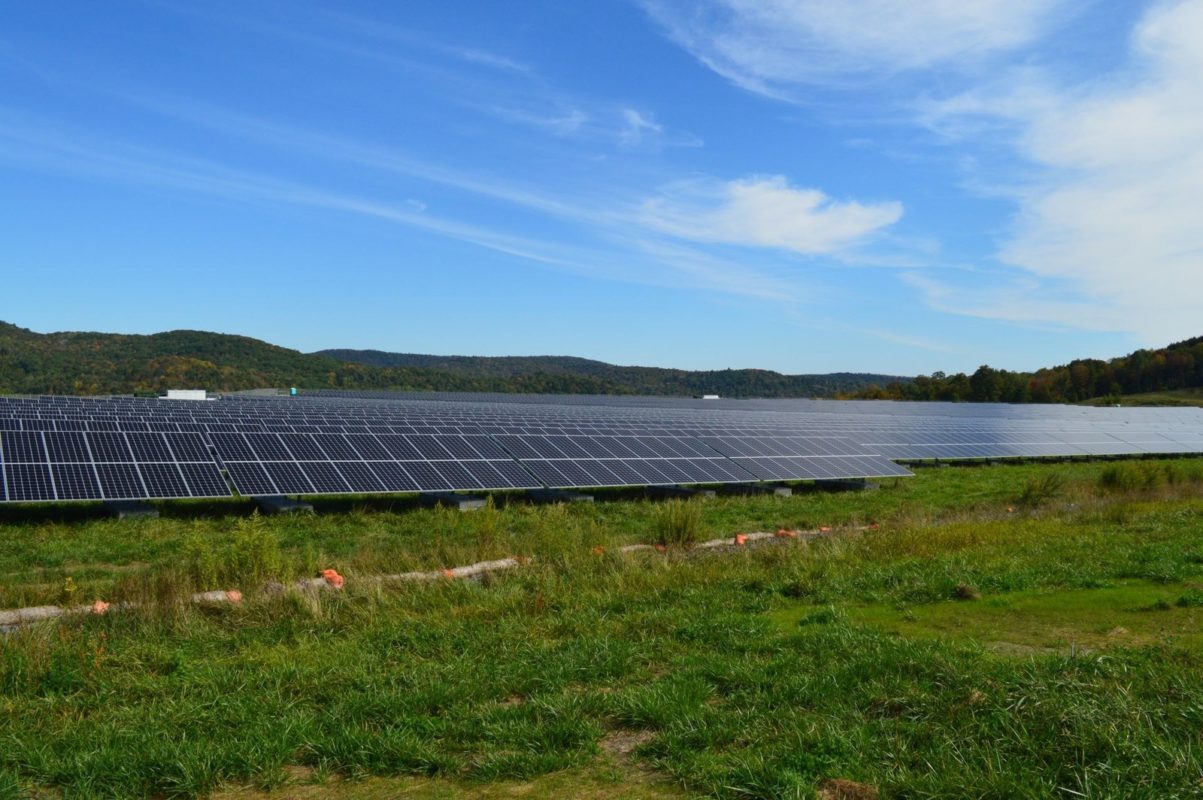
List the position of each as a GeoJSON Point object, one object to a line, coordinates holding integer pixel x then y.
{"type": "Point", "coordinates": [757, 672]}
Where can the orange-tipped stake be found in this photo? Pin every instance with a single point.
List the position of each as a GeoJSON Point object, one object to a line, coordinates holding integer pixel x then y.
{"type": "Point", "coordinates": [332, 577]}
{"type": "Point", "coordinates": [599, 551]}
{"type": "Point", "coordinates": [661, 548]}
{"type": "Point", "coordinates": [741, 539]}
{"type": "Point", "coordinates": [234, 596]}
{"type": "Point", "coordinates": [448, 573]}
{"type": "Point", "coordinates": [782, 533]}
{"type": "Point", "coordinates": [100, 607]}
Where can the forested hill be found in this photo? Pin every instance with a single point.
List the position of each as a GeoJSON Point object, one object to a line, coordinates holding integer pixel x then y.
{"type": "Point", "coordinates": [102, 363]}
{"type": "Point", "coordinates": [105, 363]}
{"type": "Point", "coordinates": [1178, 366]}
{"type": "Point", "coordinates": [626, 380]}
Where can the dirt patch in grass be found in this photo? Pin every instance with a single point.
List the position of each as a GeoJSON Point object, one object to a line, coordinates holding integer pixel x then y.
{"type": "Point", "coordinates": [622, 743]}
{"type": "Point", "coordinates": [840, 789]}
{"type": "Point", "coordinates": [600, 781]}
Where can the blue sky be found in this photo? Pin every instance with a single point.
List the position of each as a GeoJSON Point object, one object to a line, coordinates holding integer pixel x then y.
{"type": "Point", "coordinates": [896, 186]}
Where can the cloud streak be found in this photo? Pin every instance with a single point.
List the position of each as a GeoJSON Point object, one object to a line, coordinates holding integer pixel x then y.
{"type": "Point", "coordinates": [760, 212]}
{"type": "Point", "coordinates": [33, 143]}
{"type": "Point", "coordinates": [765, 211]}
{"type": "Point", "coordinates": [774, 46]}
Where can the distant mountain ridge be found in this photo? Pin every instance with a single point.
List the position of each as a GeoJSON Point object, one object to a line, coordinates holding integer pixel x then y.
{"type": "Point", "coordinates": [627, 379]}
{"type": "Point", "coordinates": [108, 363]}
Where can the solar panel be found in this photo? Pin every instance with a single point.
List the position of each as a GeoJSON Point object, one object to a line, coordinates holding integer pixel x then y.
{"type": "Point", "coordinates": [25, 482]}
{"type": "Point", "coordinates": [76, 448]}
{"type": "Point", "coordinates": [46, 465]}
{"type": "Point", "coordinates": [364, 463]}
{"type": "Point", "coordinates": [75, 482]}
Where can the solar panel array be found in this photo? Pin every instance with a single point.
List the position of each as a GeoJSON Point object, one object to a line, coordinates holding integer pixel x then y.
{"type": "Point", "coordinates": [106, 465]}
{"type": "Point", "coordinates": [66, 448]}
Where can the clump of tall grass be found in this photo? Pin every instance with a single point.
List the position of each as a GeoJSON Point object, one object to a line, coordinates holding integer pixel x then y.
{"type": "Point", "coordinates": [255, 556]}
{"type": "Point", "coordinates": [201, 561]}
{"type": "Point", "coordinates": [1117, 478]}
{"type": "Point", "coordinates": [249, 556]}
{"type": "Point", "coordinates": [1039, 491]}
{"type": "Point", "coordinates": [679, 523]}
{"type": "Point", "coordinates": [487, 522]}
{"type": "Point", "coordinates": [1128, 478]}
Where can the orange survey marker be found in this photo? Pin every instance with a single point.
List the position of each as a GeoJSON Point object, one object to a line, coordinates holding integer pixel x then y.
{"type": "Point", "coordinates": [599, 551]}
{"type": "Point", "coordinates": [100, 607]}
{"type": "Point", "coordinates": [661, 548]}
{"type": "Point", "coordinates": [741, 539]}
{"type": "Point", "coordinates": [234, 596]}
{"type": "Point", "coordinates": [333, 578]}
{"type": "Point", "coordinates": [782, 533]}
{"type": "Point", "coordinates": [448, 573]}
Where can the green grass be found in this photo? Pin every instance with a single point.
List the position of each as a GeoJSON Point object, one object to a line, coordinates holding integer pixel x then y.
{"type": "Point", "coordinates": [1173, 397]}
{"type": "Point", "coordinates": [1127, 613]}
{"type": "Point", "coordinates": [607, 779]}
{"type": "Point", "coordinates": [516, 685]}
{"type": "Point", "coordinates": [106, 557]}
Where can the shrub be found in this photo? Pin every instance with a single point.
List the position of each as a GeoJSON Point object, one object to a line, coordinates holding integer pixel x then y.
{"type": "Point", "coordinates": [679, 522]}
{"type": "Point", "coordinates": [1041, 490]}
{"type": "Point", "coordinates": [1192, 599]}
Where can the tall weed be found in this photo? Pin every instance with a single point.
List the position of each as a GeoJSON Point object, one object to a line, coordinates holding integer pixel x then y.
{"type": "Point", "coordinates": [1041, 490]}
{"type": "Point", "coordinates": [1118, 478]}
{"type": "Point", "coordinates": [679, 523]}
{"type": "Point", "coordinates": [255, 556]}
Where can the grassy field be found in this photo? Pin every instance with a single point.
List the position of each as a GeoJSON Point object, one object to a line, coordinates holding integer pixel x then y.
{"type": "Point", "coordinates": [1005, 632]}
{"type": "Point", "coordinates": [1173, 397]}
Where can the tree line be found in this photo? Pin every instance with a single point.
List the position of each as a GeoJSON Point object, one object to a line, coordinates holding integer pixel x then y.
{"type": "Point", "coordinates": [104, 363]}
{"type": "Point", "coordinates": [1178, 366]}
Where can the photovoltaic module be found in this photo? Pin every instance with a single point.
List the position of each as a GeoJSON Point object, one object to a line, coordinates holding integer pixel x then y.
{"type": "Point", "coordinates": [70, 448]}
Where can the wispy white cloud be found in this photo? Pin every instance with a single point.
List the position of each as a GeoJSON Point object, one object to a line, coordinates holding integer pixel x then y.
{"type": "Point", "coordinates": [558, 122]}
{"type": "Point", "coordinates": [506, 88]}
{"type": "Point", "coordinates": [912, 341]}
{"type": "Point", "coordinates": [765, 211]}
{"type": "Point", "coordinates": [596, 123]}
{"type": "Point", "coordinates": [1013, 298]}
{"type": "Point", "coordinates": [1105, 174]}
{"type": "Point", "coordinates": [372, 29]}
{"type": "Point", "coordinates": [1112, 206]}
{"type": "Point", "coordinates": [291, 137]}
{"type": "Point", "coordinates": [773, 46]}
{"type": "Point", "coordinates": [637, 125]}
{"type": "Point", "coordinates": [491, 59]}
{"type": "Point", "coordinates": [35, 143]}
{"type": "Point", "coordinates": [698, 267]}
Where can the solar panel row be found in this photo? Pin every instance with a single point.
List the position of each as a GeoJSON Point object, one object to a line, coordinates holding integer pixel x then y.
{"type": "Point", "coordinates": [116, 448]}
{"type": "Point", "coordinates": [51, 465]}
